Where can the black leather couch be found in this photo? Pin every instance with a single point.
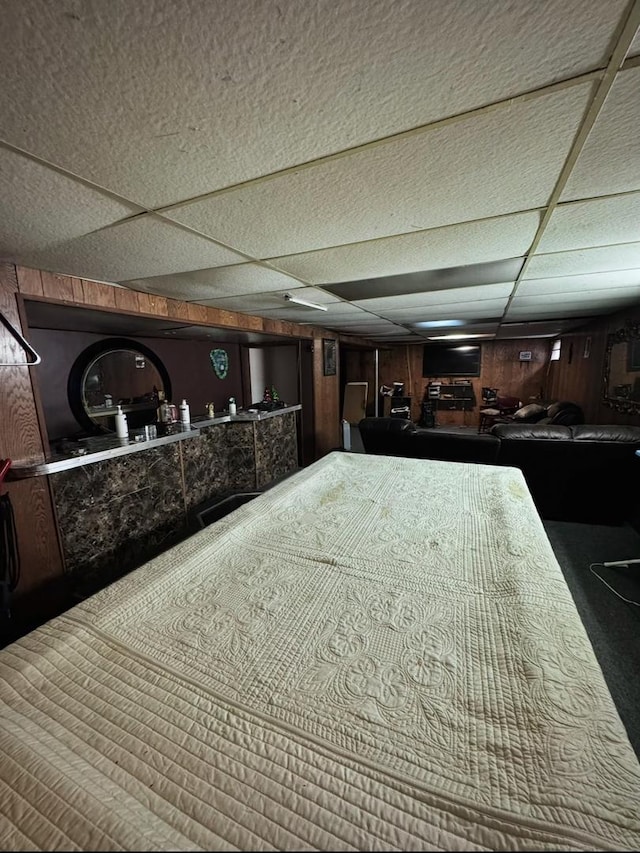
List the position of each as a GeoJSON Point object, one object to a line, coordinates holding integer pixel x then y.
{"type": "Point", "coordinates": [587, 473]}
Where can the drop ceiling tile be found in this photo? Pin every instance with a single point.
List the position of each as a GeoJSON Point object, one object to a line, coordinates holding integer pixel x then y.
{"type": "Point", "coordinates": [485, 308]}
{"type": "Point", "coordinates": [625, 256]}
{"type": "Point", "coordinates": [140, 248]}
{"type": "Point", "coordinates": [530, 330]}
{"type": "Point", "coordinates": [161, 101]}
{"type": "Point", "coordinates": [456, 295]}
{"type": "Point", "coordinates": [41, 207]}
{"type": "Point", "coordinates": [610, 160]}
{"type": "Point", "coordinates": [602, 297]}
{"type": "Point", "coordinates": [430, 281]}
{"type": "Point", "coordinates": [587, 224]}
{"type": "Point", "coordinates": [218, 282]}
{"type": "Point", "coordinates": [579, 283]}
{"type": "Point", "coordinates": [477, 167]}
{"type": "Point", "coordinates": [553, 313]}
{"type": "Point", "coordinates": [455, 245]}
{"type": "Point", "coordinates": [272, 302]}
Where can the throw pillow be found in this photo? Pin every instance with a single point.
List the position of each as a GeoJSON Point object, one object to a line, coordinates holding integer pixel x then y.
{"type": "Point", "coordinates": [532, 411]}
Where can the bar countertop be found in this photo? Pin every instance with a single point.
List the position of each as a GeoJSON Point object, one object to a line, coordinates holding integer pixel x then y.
{"type": "Point", "coordinates": [102, 447]}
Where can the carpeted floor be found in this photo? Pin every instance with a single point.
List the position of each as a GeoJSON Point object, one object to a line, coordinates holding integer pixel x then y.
{"type": "Point", "coordinates": [613, 626]}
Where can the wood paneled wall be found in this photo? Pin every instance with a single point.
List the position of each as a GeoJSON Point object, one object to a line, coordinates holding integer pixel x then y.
{"type": "Point", "coordinates": [20, 439]}
{"type": "Point", "coordinates": [500, 368]}
{"type": "Point", "coordinates": [580, 379]}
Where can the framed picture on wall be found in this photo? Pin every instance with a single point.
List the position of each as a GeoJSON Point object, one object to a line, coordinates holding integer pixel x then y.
{"type": "Point", "coordinates": [329, 356]}
{"type": "Point", "coordinates": [633, 356]}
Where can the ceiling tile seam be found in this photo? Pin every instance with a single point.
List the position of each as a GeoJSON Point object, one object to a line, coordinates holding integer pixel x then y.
{"type": "Point", "coordinates": [632, 62]}
{"type": "Point", "coordinates": [592, 198]}
{"type": "Point", "coordinates": [339, 300]}
{"type": "Point", "coordinates": [413, 231]}
{"type": "Point", "coordinates": [598, 272]}
{"type": "Point", "coordinates": [504, 103]}
{"type": "Point", "coordinates": [72, 176]}
{"type": "Point", "coordinates": [594, 108]}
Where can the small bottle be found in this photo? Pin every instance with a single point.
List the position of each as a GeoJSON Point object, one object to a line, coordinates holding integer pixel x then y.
{"type": "Point", "coordinates": [232, 406]}
{"type": "Point", "coordinates": [185, 417]}
{"type": "Point", "coordinates": [122, 430]}
{"type": "Point", "coordinates": [211, 412]}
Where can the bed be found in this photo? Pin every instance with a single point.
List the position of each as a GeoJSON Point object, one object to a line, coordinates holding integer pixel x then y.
{"type": "Point", "coordinates": [377, 653]}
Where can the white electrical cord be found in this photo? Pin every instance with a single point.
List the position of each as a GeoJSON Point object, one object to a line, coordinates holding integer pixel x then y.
{"type": "Point", "coordinates": [600, 578]}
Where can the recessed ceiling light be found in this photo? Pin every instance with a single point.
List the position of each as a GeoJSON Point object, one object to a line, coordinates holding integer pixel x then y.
{"type": "Point", "coordinates": [457, 337]}
{"type": "Point", "coordinates": [437, 324]}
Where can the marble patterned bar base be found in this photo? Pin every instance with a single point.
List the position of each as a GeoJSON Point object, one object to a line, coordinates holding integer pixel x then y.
{"type": "Point", "coordinates": [116, 514]}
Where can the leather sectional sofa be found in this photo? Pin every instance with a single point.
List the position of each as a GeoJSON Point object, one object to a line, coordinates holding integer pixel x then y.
{"type": "Point", "coordinates": [586, 473]}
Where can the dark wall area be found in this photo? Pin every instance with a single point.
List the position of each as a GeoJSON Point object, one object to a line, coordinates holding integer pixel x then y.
{"type": "Point", "coordinates": [187, 363]}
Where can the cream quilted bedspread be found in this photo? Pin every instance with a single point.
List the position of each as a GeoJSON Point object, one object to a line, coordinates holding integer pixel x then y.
{"type": "Point", "coordinates": [378, 653]}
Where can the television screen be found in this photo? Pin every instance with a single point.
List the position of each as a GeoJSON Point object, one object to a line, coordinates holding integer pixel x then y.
{"type": "Point", "coordinates": [451, 360]}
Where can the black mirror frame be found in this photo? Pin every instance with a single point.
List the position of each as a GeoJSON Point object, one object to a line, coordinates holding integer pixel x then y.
{"type": "Point", "coordinates": [86, 357]}
{"type": "Point", "coordinates": [628, 333]}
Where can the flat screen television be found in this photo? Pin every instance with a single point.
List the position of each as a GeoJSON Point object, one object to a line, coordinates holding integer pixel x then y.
{"type": "Point", "coordinates": [451, 360]}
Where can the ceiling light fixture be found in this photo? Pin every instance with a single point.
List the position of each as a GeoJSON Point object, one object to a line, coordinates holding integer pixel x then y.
{"type": "Point", "coordinates": [437, 324]}
{"type": "Point", "coordinates": [300, 301]}
{"type": "Point", "coordinates": [458, 337]}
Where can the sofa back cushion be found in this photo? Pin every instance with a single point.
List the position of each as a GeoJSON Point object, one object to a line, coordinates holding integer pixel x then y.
{"type": "Point", "coordinates": [385, 436]}
{"type": "Point", "coordinates": [450, 447]}
{"type": "Point", "coordinates": [575, 473]}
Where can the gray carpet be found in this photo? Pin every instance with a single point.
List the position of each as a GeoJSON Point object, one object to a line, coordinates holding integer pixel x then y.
{"type": "Point", "coordinates": [612, 625]}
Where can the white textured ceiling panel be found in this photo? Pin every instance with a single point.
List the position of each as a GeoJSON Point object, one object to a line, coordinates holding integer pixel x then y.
{"type": "Point", "coordinates": [604, 297]}
{"type": "Point", "coordinates": [474, 168]}
{"type": "Point", "coordinates": [453, 245]}
{"type": "Point", "coordinates": [236, 280]}
{"type": "Point", "coordinates": [610, 160]}
{"type": "Point", "coordinates": [556, 313]}
{"type": "Point", "coordinates": [604, 281]}
{"type": "Point", "coordinates": [584, 224]}
{"type": "Point", "coordinates": [141, 247]}
{"type": "Point", "coordinates": [485, 309]}
{"type": "Point", "coordinates": [406, 151]}
{"type": "Point", "coordinates": [41, 207]}
{"type": "Point", "coordinates": [274, 300]}
{"type": "Point", "coordinates": [450, 296]}
{"type": "Point", "coordinates": [161, 100]}
{"type": "Point", "coordinates": [625, 256]}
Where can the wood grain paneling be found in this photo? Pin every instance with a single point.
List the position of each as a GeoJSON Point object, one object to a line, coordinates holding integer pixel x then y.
{"type": "Point", "coordinates": [20, 440]}
{"type": "Point", "coordinates": [327, 413]}
{"type": "Point", "coordinates": [57, 286]}
{"type": "Point", "coordinates": [500, 368]}
{"type": "Point", "coordinates": [29, 281]}
{"type": "Point", "coordinates": [127, 300]}
{"type": "Point", "coordinates": [580, 379]}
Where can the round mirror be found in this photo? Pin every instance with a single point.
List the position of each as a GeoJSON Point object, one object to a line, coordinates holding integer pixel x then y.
{"type": "Point", "coordinates": [113, 372]}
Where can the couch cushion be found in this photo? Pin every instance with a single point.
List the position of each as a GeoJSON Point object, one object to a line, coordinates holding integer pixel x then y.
{"type": "Point", "coordinates": [532, 411]}
{"type": "Point", "coordinates": [606, 432]}
{"type": "Point", "coordinates": [566, 413]}
{"type": "Point", "coordinates": [386, 436]}
{"type": "Point", "coordinates": [525, 432]}
{"type": "Point", "coordinates": [451, 447]}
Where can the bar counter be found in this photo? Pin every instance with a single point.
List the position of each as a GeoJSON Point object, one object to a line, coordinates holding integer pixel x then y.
{"type": "Point", "coordinates": [102, 447]}
{"type": "Point", "coordinates": [124, 501]}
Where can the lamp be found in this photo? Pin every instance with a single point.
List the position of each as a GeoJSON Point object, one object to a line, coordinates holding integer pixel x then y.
{"type": "Point", "coordinates": [300, 301]}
